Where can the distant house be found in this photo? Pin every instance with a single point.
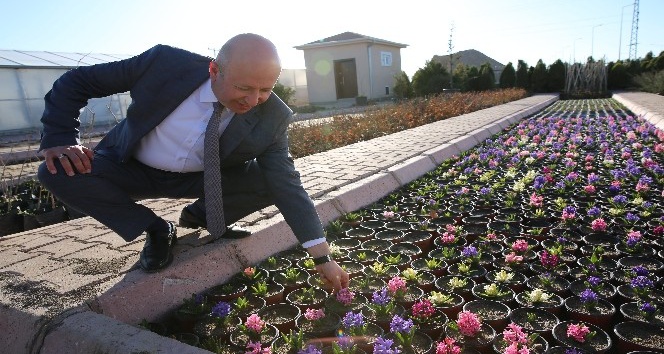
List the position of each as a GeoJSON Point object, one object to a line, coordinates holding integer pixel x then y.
{"type": "Point", "coordinates": [470, 58]}
{"type": "Point", "coordinates": [348, 65]}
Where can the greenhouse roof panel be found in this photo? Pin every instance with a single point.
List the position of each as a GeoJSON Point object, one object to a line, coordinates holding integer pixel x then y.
{"type": "Point", "coordinates": [53, 58]}
{"type": "Point", "coordinates": [7, 62]}
{"type": "Point", "coordinates": [23, 59]}
{"type": "Point", "coordinates": [16, 58]}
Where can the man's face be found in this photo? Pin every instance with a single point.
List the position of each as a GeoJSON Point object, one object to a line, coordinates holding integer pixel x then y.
{"type": "Point", "coordinates": [243, 84]}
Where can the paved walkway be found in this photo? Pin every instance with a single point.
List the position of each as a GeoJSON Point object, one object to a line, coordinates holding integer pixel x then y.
{"type": "Point", "coordinates": [76, 286]}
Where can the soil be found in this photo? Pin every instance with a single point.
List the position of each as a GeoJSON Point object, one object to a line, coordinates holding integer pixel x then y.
{"type": "Point", "coordinates": [649, 336]}
{"type": "Point", "coordinates": [631, 311]}
{"type": "Point", "coordinates": [543, 321]}
{"type": "Point", "coordinates": [598, 343]}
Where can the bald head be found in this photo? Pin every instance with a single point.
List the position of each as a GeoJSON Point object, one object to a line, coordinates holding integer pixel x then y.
{"type": "Point", "coordinates": [245, 72]}
{"type": "Point", "coordinates": [249, 47]}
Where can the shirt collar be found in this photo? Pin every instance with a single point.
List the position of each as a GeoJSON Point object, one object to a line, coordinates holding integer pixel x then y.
{"type": "Point", "coordinates": [206, 92]}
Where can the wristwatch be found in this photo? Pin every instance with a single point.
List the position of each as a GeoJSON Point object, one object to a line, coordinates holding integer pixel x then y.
{"type": "Point", "coordinates": [322, 259]}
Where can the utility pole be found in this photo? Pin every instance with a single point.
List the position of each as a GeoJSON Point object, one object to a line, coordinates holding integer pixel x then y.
{"type": "Point", "coordinates": [635, 31]}
{"type": "Point", "coordinates": [450, 47]}
{"type": "Point", "coordinates": [622, 12]}
{"type": "Point", "coordinates": [574, 49]}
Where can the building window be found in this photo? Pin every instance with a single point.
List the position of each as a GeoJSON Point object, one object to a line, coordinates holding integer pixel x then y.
{"type": "Point", "coordinates": [385, 58]}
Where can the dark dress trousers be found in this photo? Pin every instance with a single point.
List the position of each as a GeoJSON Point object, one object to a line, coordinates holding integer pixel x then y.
{"type": "Point", "coordinates": [257, 169]}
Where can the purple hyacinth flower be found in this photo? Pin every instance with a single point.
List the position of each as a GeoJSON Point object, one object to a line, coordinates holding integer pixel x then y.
{"type": "Point", "coordinates": [588, 296]}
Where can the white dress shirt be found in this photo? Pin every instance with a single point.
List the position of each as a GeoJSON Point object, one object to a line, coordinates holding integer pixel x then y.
{"type": "Point", "coordinates": [177, 143]}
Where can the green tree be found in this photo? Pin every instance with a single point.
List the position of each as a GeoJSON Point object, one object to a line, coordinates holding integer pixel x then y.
{"type": "Point", "coordinates": [487, 79]}
{"type": "Point", "coordinates": [508, 76]}
{"type": "Point", "coordinates": [657, 64]}
{"type": "Point", "coordinates": [284, 92]}
{"type": "Point", "coordinates": [538, 77]}
{"type": "Point", "coordinates": [645, 62]}
{"type": "Point", "coordinates": [461, 77]}
{"type": "Point", "coordinates": [651, 81]}
{"type": "Point", "coordinates": [618, 77]}
{"type": "Point", "coordinates": [472, 79]}
{"type": "Point", "coordinates": [522, 75]}
{"type": "Point", "coordinates": [556, 76]}
{"type": "Point", "coordinates": [431, 79]}
{"type": "Point", "coordinates": [402, 86]}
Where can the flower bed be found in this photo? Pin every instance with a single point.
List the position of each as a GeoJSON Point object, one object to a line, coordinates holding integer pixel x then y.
{"type": "Point", "coordinates": [560, 214]}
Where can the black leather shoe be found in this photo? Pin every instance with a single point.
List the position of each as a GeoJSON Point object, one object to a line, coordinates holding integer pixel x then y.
{"type": "Point", "coordinates": [157, 253]}
{"type": "Point", "coordinates": [191, 221]}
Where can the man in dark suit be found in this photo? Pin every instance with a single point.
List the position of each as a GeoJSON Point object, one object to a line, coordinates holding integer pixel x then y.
{"type": "Point", "coordinates": [157, 150]}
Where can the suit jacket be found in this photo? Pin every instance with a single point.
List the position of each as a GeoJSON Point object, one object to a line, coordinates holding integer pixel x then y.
{"type": "Point", "coordinates": [158, 81]}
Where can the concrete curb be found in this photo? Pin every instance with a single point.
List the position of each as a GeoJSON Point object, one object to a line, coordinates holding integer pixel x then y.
{"type": "Point", "coordinates": [656, 119]}
{"type": "Point", "coordinates": [88, 332]}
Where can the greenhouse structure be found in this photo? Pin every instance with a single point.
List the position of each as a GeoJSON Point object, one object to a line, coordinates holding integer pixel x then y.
{"type": "Point", "coordinates": [26, 76]}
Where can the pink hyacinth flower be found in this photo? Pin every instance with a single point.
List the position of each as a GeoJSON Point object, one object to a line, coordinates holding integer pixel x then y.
{"type": "Point", "coordinates": [314, 314]}
{"type": "Point", "coordinates": [598, 224]}
{"type": "Point", "coordinates": [520, 246]}
{"type": "Point", "coordinates": [254, 323]}
{"type": "Point", "coordinates": [395, 284]}
{"type": "Point", "coordinates": [345, 296]}
{"type": "Point", "coordinates": [513, 258]}
{"type": "Point", "coordinates": [469, 323]}
{"type": "Point", "coordinates": [448, 346]}
{"type": "Point", "coordinates": [577, 332]}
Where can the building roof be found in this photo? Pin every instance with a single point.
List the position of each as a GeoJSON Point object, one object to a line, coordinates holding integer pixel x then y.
{"type": "Point", "coordinates": [469, 57]}
{"type": "Point", "coordinates": [40, 59]}
{"type": "Point", "coordinates": [347, 38]}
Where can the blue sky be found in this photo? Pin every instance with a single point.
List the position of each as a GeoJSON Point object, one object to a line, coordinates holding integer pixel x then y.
{"type": "Point", "coordinates": [506, 30]}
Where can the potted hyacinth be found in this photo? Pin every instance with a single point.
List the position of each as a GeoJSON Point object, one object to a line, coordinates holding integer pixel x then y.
{"type": "Point", "coordinates": [515, 340]}
{"type": "Point", "coordinates": [535, 321]}
{"type": "Point", "coordinates": [219, 323]}
{"type": "Point", "coordinates": [539, 298]}
{"type": "Point", "coordinates": [404, 294]}
{"type": "Point", "coordinates": [345, 300]}
{"type": "Point", "coordinates": [318, 322]}
{"type": "Point", "coordinates": [253, 330]}
{"type": "Point", "coordinates": [382, 308]}
{"type": "Point", "coordinates": [363, 332]}
{"type": "Point", "coordinates": [601, 287]}
{"type": "Point", "coordinates": [449, 303]}
{"type": "Point", "coordinates": [469, 331]}
{"type": "Point", "coordinates": [643, 312]}
{"type": "Point", "coordinates": [428, 319]}
{"type": "Point", "coordinates": [381, 270]}
{"type": "Point", "coordinates": [640, 288]}
{"type": "Point", "coordinates": [513, 280]}
{"type": "Point", "coordinates": [582, 335]}
{"type": "Point", "coordinates": [588, 307]}
{"type": "Point", "coordinates": [293, 342]}
{"type": "Point", "coordinates": [190, 311]}
{"type": "Point", "coordinates": [407, 337]}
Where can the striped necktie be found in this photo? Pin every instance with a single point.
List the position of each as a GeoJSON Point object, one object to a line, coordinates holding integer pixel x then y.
{"type": "Point", "coordinates": [214, 205]}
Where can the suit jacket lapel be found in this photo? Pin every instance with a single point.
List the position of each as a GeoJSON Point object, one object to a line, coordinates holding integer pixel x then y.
{"type": "Point", "coordinates": [237, 130]}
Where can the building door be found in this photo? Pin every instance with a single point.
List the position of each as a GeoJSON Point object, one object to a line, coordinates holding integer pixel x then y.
{"type": "Point", "coordinates": [345, 76]}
